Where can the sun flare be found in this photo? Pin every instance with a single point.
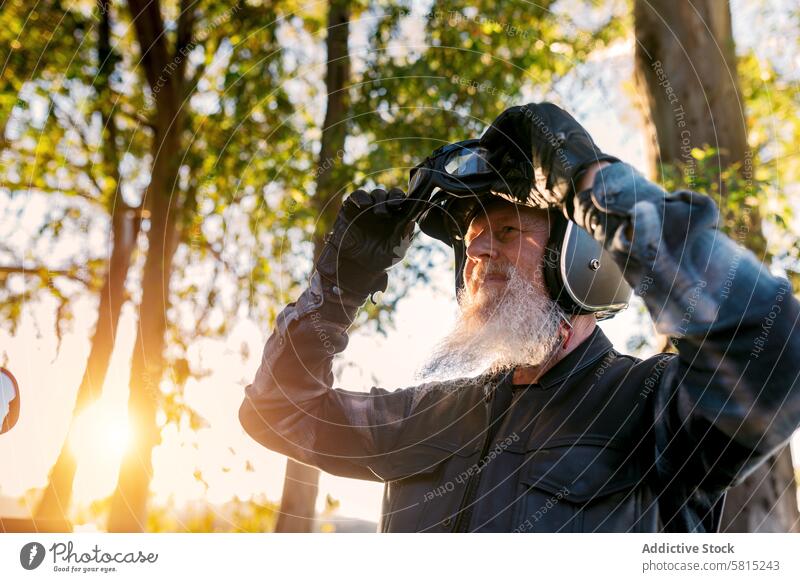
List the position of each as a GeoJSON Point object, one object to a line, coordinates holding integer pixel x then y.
{"type": "Point", "coordinates": [100, 435]}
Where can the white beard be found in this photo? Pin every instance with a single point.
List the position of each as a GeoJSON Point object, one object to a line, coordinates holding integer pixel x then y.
{"type": "Point", "coordinates": [498, 329]}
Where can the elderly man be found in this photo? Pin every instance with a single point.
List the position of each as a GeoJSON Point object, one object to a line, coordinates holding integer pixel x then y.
{"type": "Point", "coordinates": [531, 421]}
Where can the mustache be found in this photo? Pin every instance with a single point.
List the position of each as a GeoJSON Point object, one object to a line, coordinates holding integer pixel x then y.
{"type": "Point", "coordinates": [497, 329]}
{"type": "Point", "coordinates": [483, 270]}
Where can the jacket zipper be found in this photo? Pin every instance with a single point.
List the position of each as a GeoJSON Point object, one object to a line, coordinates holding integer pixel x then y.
{"type": "Point", "coordinates": [464, 515]}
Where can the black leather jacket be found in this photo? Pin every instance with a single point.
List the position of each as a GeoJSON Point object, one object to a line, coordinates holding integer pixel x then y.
{"type": "Point", "coordinates": [604, 441]}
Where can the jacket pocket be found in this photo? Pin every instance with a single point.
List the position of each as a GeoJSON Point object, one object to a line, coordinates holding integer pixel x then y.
{"type": "Point", "coordinates": [427, 497]}
{"type": "Point", "coordinates": [585, 485]}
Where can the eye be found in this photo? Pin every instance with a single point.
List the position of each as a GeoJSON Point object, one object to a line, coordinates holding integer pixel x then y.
{"type": "Point", "coordinates": [508, 231]}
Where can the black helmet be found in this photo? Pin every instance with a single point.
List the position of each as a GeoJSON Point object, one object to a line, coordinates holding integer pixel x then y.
{"type": "Point", "coordinates": [454, 185]}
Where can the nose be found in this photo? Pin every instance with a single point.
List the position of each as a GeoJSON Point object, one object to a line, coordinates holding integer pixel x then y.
{"type": "Point", "coordinates": [482, 247]}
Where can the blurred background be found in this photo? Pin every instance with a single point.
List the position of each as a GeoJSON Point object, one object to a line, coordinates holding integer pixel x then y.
{"type": "Point", "coordinates": [168, 167]}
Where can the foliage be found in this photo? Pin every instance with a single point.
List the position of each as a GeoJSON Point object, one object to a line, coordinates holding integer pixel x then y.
{"type": "Point", "coordinates": [254, 110]}
{"type": "Point", "coordinates": [773, 105]}
{"type": "Point", "coordinates": [46, 148]}
{"type": "Point", "coordinates": [412, 93]}
{"type": "Point", "coordinates": [252, 515]}
{"type": "Point", "coordinates": [759, 188]}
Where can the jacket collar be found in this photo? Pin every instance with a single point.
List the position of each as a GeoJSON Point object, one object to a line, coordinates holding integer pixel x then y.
{"type": "Point", "coordinates": [589, 351]}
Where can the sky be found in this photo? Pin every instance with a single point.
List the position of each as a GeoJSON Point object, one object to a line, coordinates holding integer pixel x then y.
{"type": "Point", "coordinates": [221, 450]}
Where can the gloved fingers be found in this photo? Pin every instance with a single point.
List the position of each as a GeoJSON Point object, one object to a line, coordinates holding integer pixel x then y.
{"type": "Point", "coordinates": [554, 115]}
{"type": "Point", "coordinates": [379, 207]}
{"type": "Point", "coordinates": [360, 202]}
{"type": "Point", "coordinates": [550, 116]}
{"type": "Point", "coordinates": [499, 130]}
{"type": "Point", "coordinates": [396, 197]}
{"type": "Point", "coordinates": [502, 136]}
{"type": "Point", "coordinates": [399, 205]}
{"type": "Point", "coordinates": [558, 125]}
{"type": "Point", "coordinates": [360, 199]}
{"type": "Point", "coordinates": [378, 195]}
{"type": "Point", "coordinates": [392, 204]}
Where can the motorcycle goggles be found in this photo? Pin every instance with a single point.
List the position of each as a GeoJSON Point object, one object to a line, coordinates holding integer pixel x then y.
{"type": "Point", "coordinates": [454, 184]}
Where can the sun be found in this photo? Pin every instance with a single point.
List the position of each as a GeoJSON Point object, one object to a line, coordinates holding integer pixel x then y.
{"type": "Point", "coordinates": [100, 435]}
{"type": "Point", "coordinates": [98, 440]}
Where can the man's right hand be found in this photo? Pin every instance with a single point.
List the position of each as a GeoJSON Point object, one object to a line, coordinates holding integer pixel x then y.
{"type": "Point", "coordinates": [371, 234]}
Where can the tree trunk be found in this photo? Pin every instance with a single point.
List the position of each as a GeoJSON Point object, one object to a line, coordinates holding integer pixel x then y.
{"type": "Point", "coordinates": [301, 483]}
{"type": "Point", "coordinates": [686, 71]}
{"type": "Point", "coordinates": [686, 64]}
{"type": "Point", "coordinates": [129, 502]}
{"type": "Point", "coordinates": [162, 200]}
{"type": "Point", "coordinates": [57, 495]}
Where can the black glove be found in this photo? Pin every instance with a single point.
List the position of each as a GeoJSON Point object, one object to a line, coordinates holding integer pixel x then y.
{"type": "Point", "coordinates": [540, 151]}
{"type": "Point", "coordinates": [371, 234]}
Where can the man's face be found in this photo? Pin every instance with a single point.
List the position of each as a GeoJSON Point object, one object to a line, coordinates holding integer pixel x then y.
{"type": "Point", "coordinates": [503, 236]}
{"type": "Point", "coordinates": [507, 318]}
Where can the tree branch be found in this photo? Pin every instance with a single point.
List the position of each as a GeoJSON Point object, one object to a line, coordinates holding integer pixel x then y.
{"type": "Point", "coordinates": [66, 192]}
{"type": "Point", "coordinates": [149, 25]}
{"type": "Point", "coordinates": [44, 273]}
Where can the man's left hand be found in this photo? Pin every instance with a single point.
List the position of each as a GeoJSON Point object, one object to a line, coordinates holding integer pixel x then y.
{"type": "Point", "coordinates": [544, 150]}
